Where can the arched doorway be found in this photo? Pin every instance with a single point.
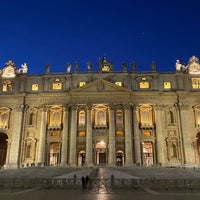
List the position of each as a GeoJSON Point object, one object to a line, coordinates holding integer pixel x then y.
{"type": "Point", "coordinates": [198, 146]}
{"type": "Point", "coordinates": [147, 153]}
{"type": "Point", "coordinates": [120, 158]}
{"type": "Point", "coordinates": [3, 148]}
{"type": "Point", "coordinates": [54, 155]}
{"type": "Point", "coordinates": [81, 158]}
{"type": "Point", "coordinates": [101, 153]}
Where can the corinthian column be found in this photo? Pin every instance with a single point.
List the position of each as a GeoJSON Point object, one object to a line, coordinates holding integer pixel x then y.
{"type": "Point", "coordinates": [16, 138]}
{"type": "Point", "coordinates": [159, 133]}
{"type": "Point", "coordinates": [112, 150]}
{"type": "Point", "coordinates": [128, 136]}
{"type": "Point", "coordinates": [136, 136]}
{"type": "Point", "coordinates": [73, 136]}
{"type": "Point", "coordinates": [185, 115]}
{"type": "Point", "coordinates": [64, 137]}
{"type": "Point", "coordinates": [42, 138]}
{"type": "Point", "coordinates": [89, 150]}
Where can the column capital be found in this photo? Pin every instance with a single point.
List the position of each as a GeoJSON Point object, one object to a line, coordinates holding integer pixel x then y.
{"type": "Point", "coordinates": [112, 107]}
{"type": "Point", "coordinates": [182, 106]}
{"type": "Point", "coordinates": [158, 107]}
{"type": "Point", "coordinates": [135, 107]}
{"type": "Point", "coordinates": [127, 106]}
{"type": "Point", "coordinates": [21, 108]}
{"type": "Point", "coordinates": [43, 108]}
{"type": "Point", "coordinates": [89, 106]}
{"type": "Point", "coordinates": [74, 107]}
{"type": "Point", "coordinates": [65, 107]}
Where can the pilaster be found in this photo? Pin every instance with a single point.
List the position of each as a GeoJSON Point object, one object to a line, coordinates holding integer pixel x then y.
{"type": "Point", "coordinates": [42, 137]}
{"type": "Point", "coordinates": [112, 148]}
{"type": "Point", "coordinates": [89, 150]}
{"type": "Point", "coordinates": [137, 144]}
{"type": "Point", "coordinates": [128, 136]}
{"type": "Point", "coordinates": [159, 116]}
{"type": "Point", "coordinates": [186, 130]}
{"type": "Point", "coordinates": [64, 152]}
{"type": "Point", "coordinates": [73, 136]}
{"type": "Point", "coordinates": [15, 142]}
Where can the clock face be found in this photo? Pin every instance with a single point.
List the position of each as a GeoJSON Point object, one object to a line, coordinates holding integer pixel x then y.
{"type": "Point", "coordinates": [106, 68]}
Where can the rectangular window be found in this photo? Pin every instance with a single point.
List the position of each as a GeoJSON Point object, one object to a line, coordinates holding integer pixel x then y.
{"type": "Point", "coordinates": [57, 86]}
{"type": "Point", "coordinates": [81, 84]}
{"type": "Point", "coordinates": [118, 83]}
{"type": "Point", "coordinates": [167, 85]}
{"type": "Point", "coordinates": [147, 133]}
{"type": "Point", "coordinates": [34, 87]}
{"type": "Point", "coordinates": [120, 133]}
{"type": "Point", "coordinates": [195, 83]}
{"type": "Point", "coordinates": [55, 134]}
{"type": "Point", "coordinates": [144, 84]}
{"type": "Point", "coordinates": [82, 134]}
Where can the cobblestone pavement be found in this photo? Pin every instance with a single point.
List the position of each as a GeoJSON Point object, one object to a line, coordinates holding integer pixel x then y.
{"type": "Point", "coordinates": [84, 194]}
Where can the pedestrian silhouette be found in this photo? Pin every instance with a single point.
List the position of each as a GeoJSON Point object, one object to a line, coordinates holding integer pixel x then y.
{"type": "Point", "coordinates": [83, 182]}
{"type": "Point", "coordinates": [86, 181]}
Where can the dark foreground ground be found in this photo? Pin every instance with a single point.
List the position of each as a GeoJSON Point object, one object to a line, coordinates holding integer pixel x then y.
{"type": "Point", "coordinates": [100, 191]}
{"type": "Point", "coordinates": [52, 194]}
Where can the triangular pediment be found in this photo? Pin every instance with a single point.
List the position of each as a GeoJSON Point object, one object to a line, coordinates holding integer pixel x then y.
{"type": "Point", "coordinates": [101, 86]}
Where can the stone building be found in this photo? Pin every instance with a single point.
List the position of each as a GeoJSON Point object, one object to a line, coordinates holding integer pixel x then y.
{"type": "Point", "coordinates": [100, 118]}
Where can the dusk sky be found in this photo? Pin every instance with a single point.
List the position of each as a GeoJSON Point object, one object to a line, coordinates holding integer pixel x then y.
{"type": "Point", "coordinates": [40, 32]}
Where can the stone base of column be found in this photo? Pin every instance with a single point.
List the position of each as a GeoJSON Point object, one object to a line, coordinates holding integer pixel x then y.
{"type": "Point", "coordinates": [63, 164]}
{"type": "Point", "coordinates": [128, 165]}
{"type": "Point", "coordinates": [40, 164]}
{"type": "Point", "coordinates": [72, 165]}
{"type": "Point", "coordinates": [112, 164]}
{"type": "Point", "coordinates": [89, 165]}
{"type": "Point", "coordinates": [11, 166]}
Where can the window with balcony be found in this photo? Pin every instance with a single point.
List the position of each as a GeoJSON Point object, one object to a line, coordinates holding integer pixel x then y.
{"type": "Point", "coordinates": [100, 116]}
{"type": "Point", "coordinates": [197, 115]}
{"type": "Point", "coordinates": [55, 118]}
{"type": "Point", "coordinates": [119, 118]}
{"type": "Point", "coordinates": [146, 115]}
{"type": "Point", "coordinates": [81, 120]}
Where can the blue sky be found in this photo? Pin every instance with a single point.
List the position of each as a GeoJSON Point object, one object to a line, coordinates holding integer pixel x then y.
{"type": "Point", "coordinates": [40, 32]}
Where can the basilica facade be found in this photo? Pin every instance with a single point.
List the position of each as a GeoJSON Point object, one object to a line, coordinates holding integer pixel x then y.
{"type": "Point", "coordinates": [100, 118]}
